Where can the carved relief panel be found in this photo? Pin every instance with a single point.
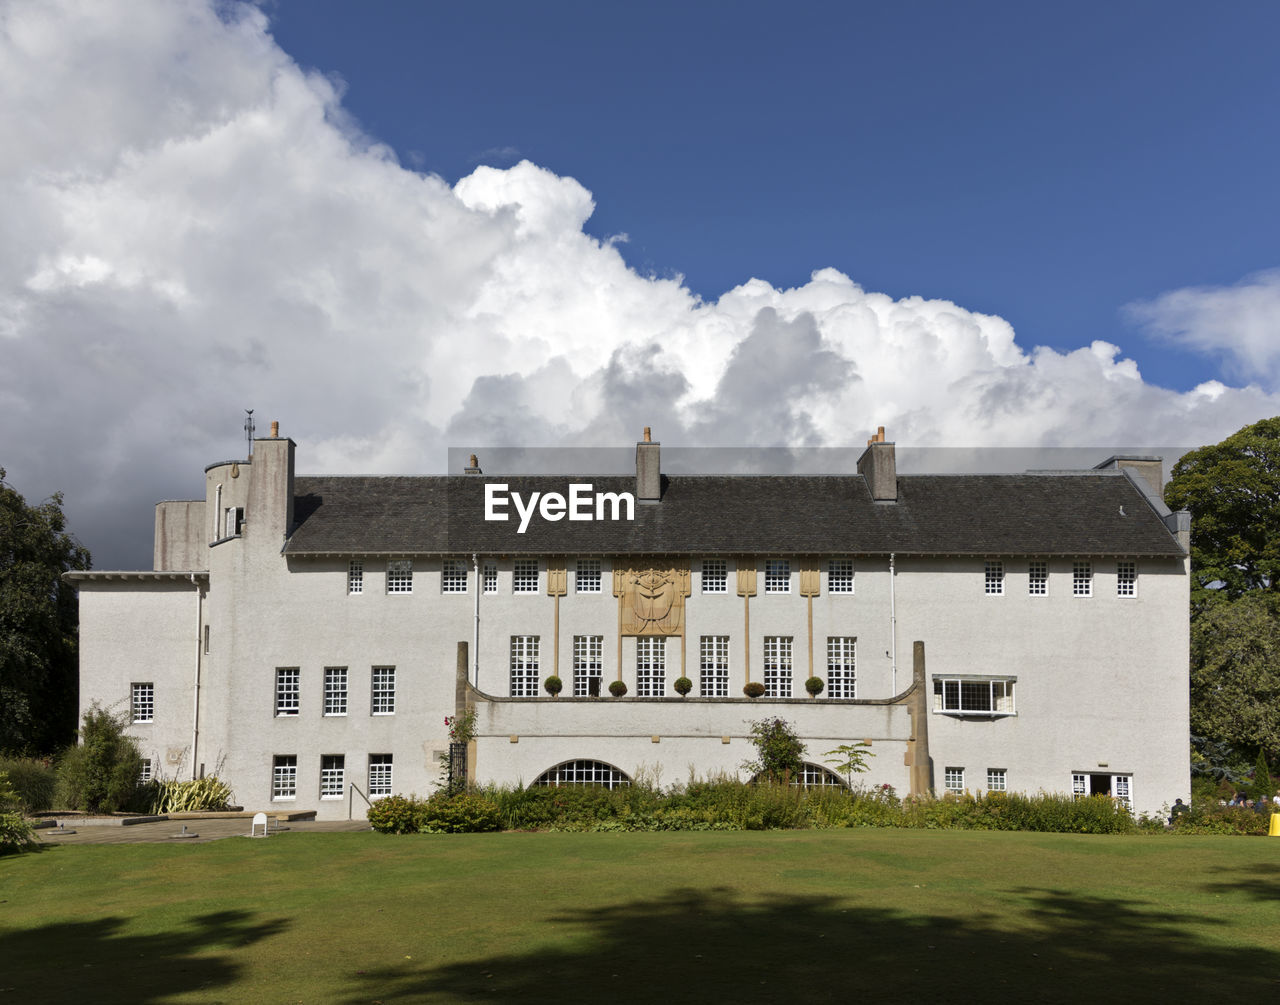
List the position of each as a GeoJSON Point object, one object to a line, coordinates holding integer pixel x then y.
{"type": "Point", "coordinates": [651, 601]}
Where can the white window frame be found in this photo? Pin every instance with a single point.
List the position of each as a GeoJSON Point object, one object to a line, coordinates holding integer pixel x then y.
{"type": "Point", "coordinates": [400, 575]}
{"type": "Point", "coordinates": [355, 577]}
{"type": "Point", "coordinates": [587, 577]}
{"type": "Point", "coordinates": [840, 576]}
{"type": "Point", "coordinates": [453, 575]}
{"type": "Point", "coordinates": [288, 692]}
{"type": "Point", "coordinates": [333, 771]}
{"type": "Point", "coordinates": [1082, 579]}
{"type": "Point", "coordinates": [147, 772]}
{"type": "Point", "coordinates": [964, 695]}
{"type": "Point", "coordinates": [715, 575]}
{"type": "Point", "coordinates": [993, 578]}
{"type": "Point", "coordinates": [997, 780]}
{"type": "Point", "coordinates": [525, 679]}
{"type": "Point", "coordinates": [284, 776]}
{"type": "Point", "coordinates": [778, 681]}
{"type": "Point", "coordinates": [524, 576]}
{"type": "Point", "coordinates": [588, 663]}
{"type": "Point", "coordinates": [490, 575]}
{"type": "Point", "coordinates": [842, 666]}
{"type": "Point", "coordinates": [142, 701]}
{"type": "Point", "coordinates": [651, 666]}
{"type": "Point", "coordinates": [1037, 578]}
{"type": "Point", "coordinates": [382, 690]}
{"type": "Point", "coordinates": [233, 521]}
{"type": "Point", "coordinates": [1126, 579]}
{"type": "Point", "coordinates": [953, 779]}
{"type": "Point", "coordinates": [335, 691]}
{"type": "Point", "coordinates": [777, 575]}
{"type": "Point", "coordinates": [714, 666]}
{"type": "Point", "coordinates": [381, 768]}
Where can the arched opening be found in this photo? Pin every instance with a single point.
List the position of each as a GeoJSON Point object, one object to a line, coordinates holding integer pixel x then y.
{"type": "Point", "coordinates": [583, 773]}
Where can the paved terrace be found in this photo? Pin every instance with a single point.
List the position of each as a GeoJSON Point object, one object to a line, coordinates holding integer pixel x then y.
{"type": "Point", "coordinates": [200, 828]}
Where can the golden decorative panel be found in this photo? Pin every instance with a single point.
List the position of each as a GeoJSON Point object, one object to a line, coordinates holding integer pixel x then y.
{"type": "Point", "coordinates": [746, 577]}
{"type": "Point", "coordinates": [810, 582]}
{"type": "Point", "coordinates": [557, 579]}
{"type": "Point", "coordinates": [651, 601]}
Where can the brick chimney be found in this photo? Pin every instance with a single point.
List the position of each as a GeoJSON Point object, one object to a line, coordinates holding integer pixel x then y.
{"type": "Point", "coordinates": [473, 468]}
{"type": "Point", "coordinates": [648, 470]}
{"type": "Point", "coordinates": [879, 467]}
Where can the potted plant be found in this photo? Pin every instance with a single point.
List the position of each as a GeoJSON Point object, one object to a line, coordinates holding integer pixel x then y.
{"type": "Point", "coordinates": [618, 688]}
{"type": "Point", "coordinates": [553, 685]}
{"type": "Point", "coordinates": [683, 686]}
{"type": "Point", "coordinates": [753, 689]}
{"type": "Point", "coordinates": [814, 686]}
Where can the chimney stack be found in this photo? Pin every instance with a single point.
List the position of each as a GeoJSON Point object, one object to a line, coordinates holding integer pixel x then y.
{"type": "Point", "coordinates": [275, 430]}
{"type": "Point", "coordinates": [648, 469]}
{"type": "Point", "coordinates": [879, 467]}
{"type": "Point", "coordinates": [474, 467]}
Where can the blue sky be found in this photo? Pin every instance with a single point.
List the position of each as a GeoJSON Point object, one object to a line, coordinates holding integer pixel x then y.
{"type": "Point", "coordinates": [405, 229]}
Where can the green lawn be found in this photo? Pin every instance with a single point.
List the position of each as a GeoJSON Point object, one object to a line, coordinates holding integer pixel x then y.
{"type": "Point", "coordinates": [793, 916]}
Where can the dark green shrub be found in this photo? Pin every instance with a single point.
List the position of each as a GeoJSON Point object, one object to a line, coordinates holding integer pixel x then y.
{"type": "Point", "coordinates": [394, 815]}
{"type": "Point", "coordinates": [466, 813]}
{"type": "Point", "coordinates": [753, 689]}
{"type": "Point", "coordinates": [617, 688]}
{"type": "Point", "coordinates": [683, 686]}
{"type": "Point", "coordinates": [15, 833]}
{"type": "Point", "coordinates": [1262, 783]}
{"type": "Point", "coordinates": [1223, 820]}
{"type": "Point", "coordinates": [101, 774]}
{"type": "Point", "coordinates": [34, 782]}
{"type": "Point", "coordinates": [779, 752]}
{"type": "Point", "coordinates": [553, 685]}
{"type": "Point", "coordinates": [815, 686]}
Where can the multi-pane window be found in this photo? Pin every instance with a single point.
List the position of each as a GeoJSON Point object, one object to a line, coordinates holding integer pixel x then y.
{"type": "Point", "coordinates": [953, 779]}
{"type": "Point", "coordinates": [842, 681]}
{"type": "Point", "coordinates": [1079, 785]}
{"type": "Point", "coordinates": [379, 775]}
{"type": "Point", "coordinates": [335, 690]}
{"type": "Point", "coordinates": [1126, 579]}
{"type": "Point", "coordinates": [588, 578]}
{"type": "Point", "coordinates": [715, 575]}
{"type": "Point", "coordinates": [400, 575]}
{"type": "Point", "coordinates": [284, 776]}
{"type": "Point", "coordinates": [384, 691]}
{"type": "Point", "coordinates": [355, 576]}
{"type": "Point", "coordinates": [715, 666]}
{"type": "Point", "coordinates": [1038, 578]}
{"type": "Point", "coordinates": [332, 769]}
{"type": "Point", "coordinates": [996, 780]}
{"type": "Point", "coordinates": [524, 666]}
{"type": "Point", "coordinates": [994, 579]}
{"type": "Point", "coordinates": [1082, 579]}
{"type": "Point", "coordinates": [651, 666]}
{"type": "Point", "coordinates": [524, 578]}
{"type": "Point", "coordinates": [1121, 789]}
{"type": "Point", "coordinates": [583, 773]}
{"type": "Point", "coordinates": [233, 522]}
{"type": "Point", "coordinates": [287, 691]}
{"type": "Point", "coordinates": [587, 664]}
{"type": "Point", "coordinates": [453, 575]}
{"type": "Point", "coordinates": [143, 702]}
{"type": "Point", "coordinates": [980, 696]}
{"type": "Point", "coordinates": [777, 666]}
{"type": "Point", "coordinates": [147, 772]}
{"type": "Point", "coordinates": [490, 577]}
{"type": "Point", "coordinates": [777, 575]}
{"type": "Point", "coordinates": [840, 575]}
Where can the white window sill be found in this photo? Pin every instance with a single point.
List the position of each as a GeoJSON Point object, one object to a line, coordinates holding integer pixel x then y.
{"type": "Point", "coordinates": [979, 715]}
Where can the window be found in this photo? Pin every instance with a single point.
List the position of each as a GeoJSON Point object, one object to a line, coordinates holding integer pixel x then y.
{"type": "Point", "coordinates": [355, 577]}
{"type": "Point", "coordinates": [1126, 579]}
{"type": "Point", "coordinates": [1038, 578]}
{"type": "Point", "coordinates": [233, 521]}
{"type": "Point", "coordinates": [715, 666]}
{"type": "Point", "coordinates": [777, 575]}
{"type": "Point", "coordinates": [995, 579]}
{"type": "Point", "coordinates": [996, 781]}
{"type": "Point", "coordinates": [335, 690]}
{"type": "Point", "coordinates": [384, 691]}
{"type": "Point", "coordinates": [453, 575]}
{"type": "Point", "coordinates": [1120, 788]}
{"type": "Point", "coordinates": [400, 575]}
{"type": "Point", "coordinates": [1079, 785]}
{"type": "Point", "coordinates": [953, 779]}
{"type": "Point", "coordinates": [146, 774]}
{"type": "Point", "coordinates": [332, 768]}
{"type": "Point", "coordinates": [287, 691]}
{"type": "Point", "coordinates": [525, 577]}
{"type": "Point", "coordinates": [651, 667]}
{"type": "Point", "coordinates": [715, 575]}
{"type": "Point", "coordinates": [588, 577]}
{"type": "Point", "coordinates": [777, 666]}
{"type": "Point", "coordinates": [490, 577]}
{"type": "Point", "coordinates": [973, 695]}
{"type": "Point", "coordinates": [143, 702]}
{"type": "Point", "coordinates": [842, 681]}
{"type": "Point", "coordinates": [1082, 579]}
{"type": "Point", "coordinates": [284, 776]}
{"type": "Point", "coordinates": [583, 773]}
{"type": "Point", "coordinates": [379, 775]}
{"type": "Point", "coordinates": [206, 640]}
{"type": "Point", "coordinates": [587, 662]}
{"type": "Point", "coordinates": [815, 776]}
{"type": "Point", "coordinates": [524, 666]}
{"type": "Point", "coordinates": [840, 575]}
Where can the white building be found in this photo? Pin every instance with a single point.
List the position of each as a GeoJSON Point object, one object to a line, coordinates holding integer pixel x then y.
{"type": "Point", "coordinates": [306, 637]}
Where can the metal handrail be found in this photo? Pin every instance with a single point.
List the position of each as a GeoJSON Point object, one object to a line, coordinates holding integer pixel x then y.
{"type": "Point", "coordinates": [353, 787]}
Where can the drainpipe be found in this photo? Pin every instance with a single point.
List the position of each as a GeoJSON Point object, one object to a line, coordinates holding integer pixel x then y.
{"type": "Point", "coordinates": [893, 625]}
{"type": "Point", "coordinates": [195, 711]}
{"type": "Point", "coordinates": [475, 629]}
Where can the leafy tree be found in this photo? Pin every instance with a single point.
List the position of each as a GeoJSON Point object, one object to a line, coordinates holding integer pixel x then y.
{"type": "Point", "coordinates": [779, 752]}
{"type": "Point", "coordinates": [37, 624]}
{"type": "Point", "coordinates": [101, 774]}
{"type": "Point", "coordinates": [15, 833]}
{"type": "Point", "coordinates": [1233, 492]}
{"type": "Point", "coordinates": [850, 759]}
{"type": "Point", "coordinates": [1235, 673]}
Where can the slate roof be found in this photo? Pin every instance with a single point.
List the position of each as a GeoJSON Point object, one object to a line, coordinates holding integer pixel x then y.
{"type": "Point", "coordinates": [1030, 514]}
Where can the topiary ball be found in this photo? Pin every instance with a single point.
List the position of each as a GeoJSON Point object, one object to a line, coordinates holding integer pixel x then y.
{"type": "Point", "coordinates": [683, 685]}
{"type": "Point", "coordinates": [553, 685]}
{"type": "Point", "coordinates": [814, 686]}
{"type": "Point", "coordinates": [753, 689]}
{"type": "Point", "coordinates": [618, 688]}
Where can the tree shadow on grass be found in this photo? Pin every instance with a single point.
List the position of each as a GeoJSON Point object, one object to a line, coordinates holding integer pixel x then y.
{"type": "Point", "coordinates": [1261, 881]}
{"type": "Point", "coordinates": [712, 945]}
{"type": "Point", "coordinates": [99, 961]}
